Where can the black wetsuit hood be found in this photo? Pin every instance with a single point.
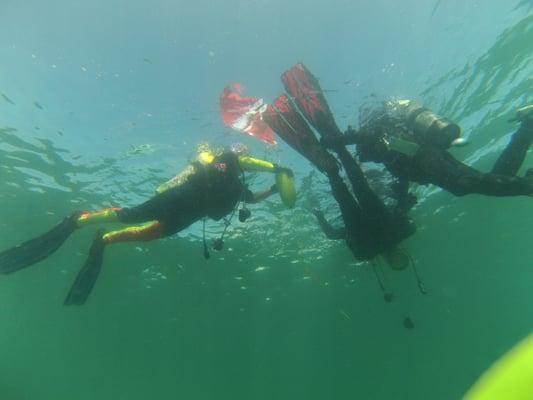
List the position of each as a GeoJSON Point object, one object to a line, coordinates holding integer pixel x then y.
{"type": "Point", "coordinates": [223, 184]}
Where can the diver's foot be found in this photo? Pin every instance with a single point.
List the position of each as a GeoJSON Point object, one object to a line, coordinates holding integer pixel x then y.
{"type": "Point", "coordinates": [74, 217]}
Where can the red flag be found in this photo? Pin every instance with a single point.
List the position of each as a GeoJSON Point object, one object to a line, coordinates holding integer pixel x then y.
{"type": "Point", "coordinates": [244, 114]}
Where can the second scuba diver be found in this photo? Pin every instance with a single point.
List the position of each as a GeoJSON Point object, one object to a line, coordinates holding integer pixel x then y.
{"type": "Point", "coordinates": [212, 186]}
{"type": "Point", "coordinates": [412, 142]}
{"type": "Point", "coordinates": [370, 228]}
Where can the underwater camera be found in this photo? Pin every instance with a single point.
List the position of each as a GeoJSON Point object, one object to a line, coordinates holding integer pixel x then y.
{"type": "Point", "coordinates": [428, 126]}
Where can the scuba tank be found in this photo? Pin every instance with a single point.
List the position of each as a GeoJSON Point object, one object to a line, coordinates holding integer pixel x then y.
{"type": "Point", "coordinates": [429, 127]}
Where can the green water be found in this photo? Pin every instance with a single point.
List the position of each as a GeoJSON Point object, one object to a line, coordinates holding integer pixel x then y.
{"type": "Point", "coordinates": [281, 313]}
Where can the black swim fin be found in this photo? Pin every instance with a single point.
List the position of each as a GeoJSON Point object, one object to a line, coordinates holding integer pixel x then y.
{"type": "Point", "coordinates": [39, 248]}
{"type": "Point", "coordinates": [309, 97]}
{"type": "Point", "coordinates": [289, 124]}
{"type": "Point", "coordinates": [84, 283]}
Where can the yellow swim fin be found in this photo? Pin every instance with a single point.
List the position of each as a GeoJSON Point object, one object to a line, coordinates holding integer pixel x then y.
{"type": "Point", "coordinates": [510, 378]}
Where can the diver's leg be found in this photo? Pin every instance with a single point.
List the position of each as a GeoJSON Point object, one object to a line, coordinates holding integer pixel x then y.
{"type": "Point", "coordinates": [352, 214]}
{"type": "Point", "coordinates": [363, 231]}
{"type": "Point", "coordinates": [167, 205]}
{"type": "Point", "coordinates": [160, 206]}
{"type": "Point", "coordinates": [404, 200]}
{"type": "Point", "coordinates": [39, 248]}
{"type": "Point", "coordinates": [147, 211]}
{"type": "Point", "coordinates": [514, 154]}
{"type": "Point", "coordinates": [86, 278]}
{"type": "Point", "coordinates": [440, 168]}
{"type": "Point", "coordinates": [149, 231]}
{"type": "Point", "coordinates": [367, 198]}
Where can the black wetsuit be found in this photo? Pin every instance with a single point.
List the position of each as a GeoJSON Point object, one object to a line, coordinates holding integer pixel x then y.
{"type": "Point", "coordinates": [212, 190]}
{"type": "Point", "coordinates": [433, 164]}
{"type": "Point", "coordinates": [370, 227]}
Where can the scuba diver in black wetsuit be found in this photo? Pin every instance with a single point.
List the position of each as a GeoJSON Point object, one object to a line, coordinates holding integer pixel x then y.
{"type": "Point", "coordinates": [412, 142]}
{"type": "Point", "coordinates": [370, 228]}
{"type": "Point", "coordinates": [210, 187]}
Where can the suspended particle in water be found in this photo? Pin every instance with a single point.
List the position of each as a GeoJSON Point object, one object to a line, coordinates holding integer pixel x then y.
{"type": "Point", "coordinates": [345, 314]}
{"type": "Point", "coordinates": [408, 323]}
{"type": "Point", "coordinates": [7, 99]}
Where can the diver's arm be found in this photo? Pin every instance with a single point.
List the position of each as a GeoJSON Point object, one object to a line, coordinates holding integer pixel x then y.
{"type": "Point", "coordinates": [253, 198]}
{"type": "Point", "coordinates": [327, 228]}
{"type": "Point", "coordinates": [284, 178]}
{"type": "Point", "coordinates": [255, 164]}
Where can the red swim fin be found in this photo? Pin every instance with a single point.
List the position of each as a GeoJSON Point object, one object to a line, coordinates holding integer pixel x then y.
{"type": "Point", "coordinates": [309, 97]}
{"type": "Point", "coordinates": [287, 122]}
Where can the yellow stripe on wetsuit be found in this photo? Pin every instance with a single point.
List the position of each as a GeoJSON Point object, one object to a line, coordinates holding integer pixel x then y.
{"type": "Point", "coordinates": [97, 217]}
